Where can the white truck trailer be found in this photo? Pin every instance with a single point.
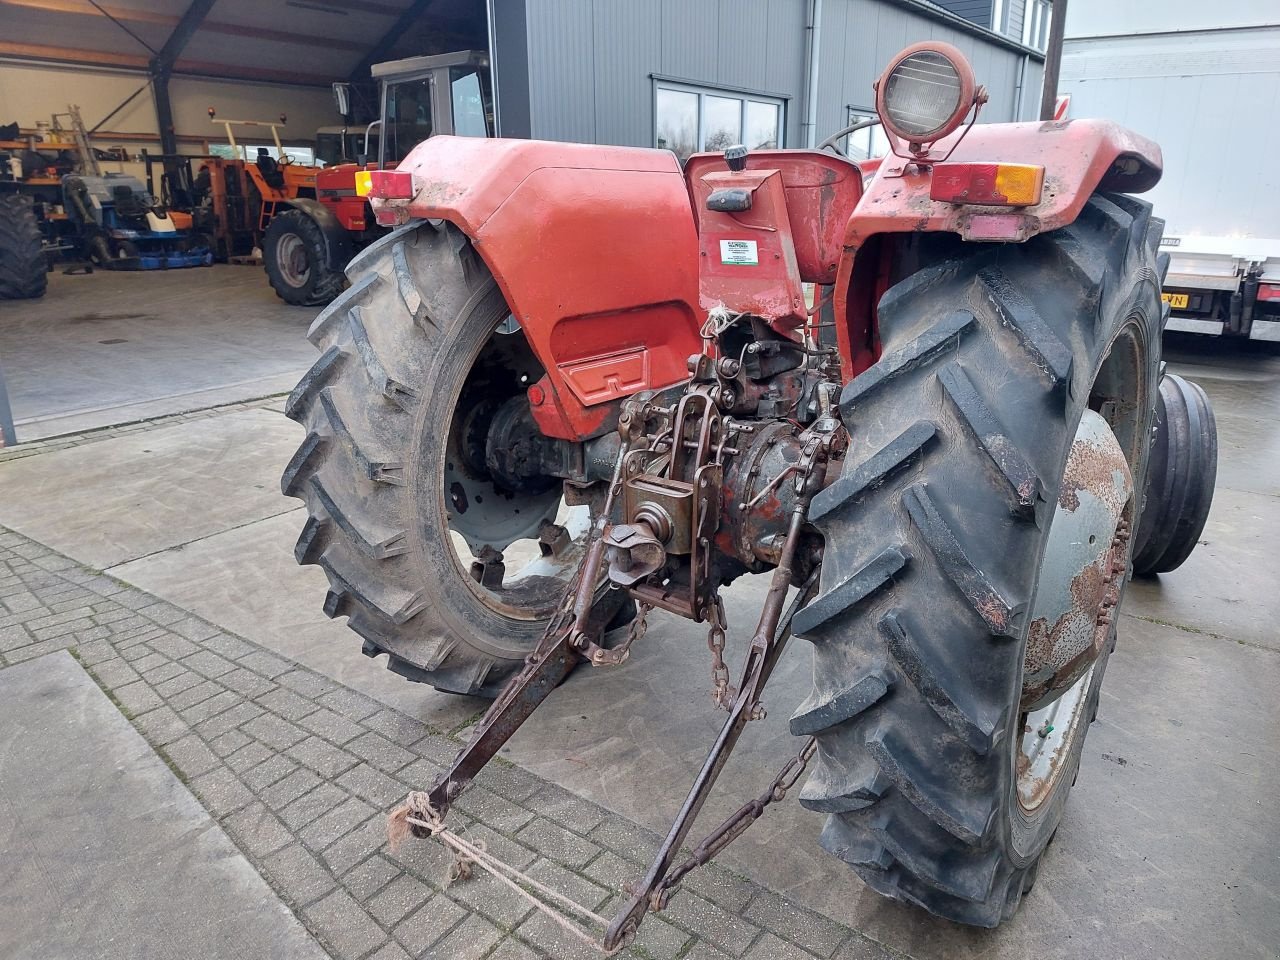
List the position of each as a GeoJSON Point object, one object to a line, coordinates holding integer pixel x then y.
{"type": "Point", "coordinates": [1203, 81]}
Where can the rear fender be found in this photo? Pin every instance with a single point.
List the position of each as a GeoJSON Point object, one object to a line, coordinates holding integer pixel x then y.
{"type": "Point", "coordinates": [595, 251]}
{"type": "Point", "coordinates": [1080, 158]}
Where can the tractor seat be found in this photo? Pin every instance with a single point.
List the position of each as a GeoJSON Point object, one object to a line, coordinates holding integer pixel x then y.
{"type": "Point", "coordinates": [129, 204]}
{"type": "Point", "coordinates": [270, 171]}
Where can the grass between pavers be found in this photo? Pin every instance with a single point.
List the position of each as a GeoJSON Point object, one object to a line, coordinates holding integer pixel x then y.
{"type": "Point", "coordinates": [259, 739]}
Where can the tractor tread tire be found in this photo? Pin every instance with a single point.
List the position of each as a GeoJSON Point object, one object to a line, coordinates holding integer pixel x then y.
{"type": "Point", "coordinates": [934, 533]}
{"type": "Point", "coordinates": [23, 268]}
{"type": "Point", "coordinates": [1184, 469]}
{"type": "Point", "coordinates": [368, 402]}
{"type": "Point", "coordinates": [324, 282]}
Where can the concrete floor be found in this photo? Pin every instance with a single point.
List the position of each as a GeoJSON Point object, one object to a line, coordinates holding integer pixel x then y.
{"type": "Point", "coordinates": [1169, 846]}
{"type": "Point", "coordinates": [113, 347]}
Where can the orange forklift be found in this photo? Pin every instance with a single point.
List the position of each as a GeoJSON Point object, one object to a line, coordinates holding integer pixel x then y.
{"type": "Point", "coordinates": [233, 200]}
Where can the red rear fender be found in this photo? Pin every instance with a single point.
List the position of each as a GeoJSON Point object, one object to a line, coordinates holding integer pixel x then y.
{"type": "Point", "coordinates": [1080, 158]}
{"type": "Point", "coordinates": [595, 251]}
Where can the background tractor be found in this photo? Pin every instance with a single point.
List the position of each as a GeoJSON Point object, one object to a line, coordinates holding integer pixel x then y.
{"type": "Point", "coordinates": [23, 265]}
{"type": "Point", "coordinates": [306, 247]}
{"type": "Point", "coordinates": [578, 384]}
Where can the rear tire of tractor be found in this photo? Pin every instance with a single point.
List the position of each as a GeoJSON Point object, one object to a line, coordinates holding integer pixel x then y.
{"type": "Point", "coordinates": [935, 536]}
{"type": "Point", "coordinates": [406, 347]}
{"type": "Point", "coordinates": [296, 258]}
{"type": "Point", "coordinates": [23, 268]}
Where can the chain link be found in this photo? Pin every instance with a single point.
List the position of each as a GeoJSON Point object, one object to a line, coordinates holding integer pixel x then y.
{"type": "Point", "coordinates": [639, 625]}
{"type": "Point", "coordinates": [620, 653]}
{"type": "Point", "coordinates": [737, 824]}
{"type": "Point", "coordinates": [722, 692]}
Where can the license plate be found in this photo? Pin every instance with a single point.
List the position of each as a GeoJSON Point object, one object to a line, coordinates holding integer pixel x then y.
{"type": "Point", "coordinates": [1176, 300]}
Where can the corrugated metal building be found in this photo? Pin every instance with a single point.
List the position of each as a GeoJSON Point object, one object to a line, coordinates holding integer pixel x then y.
{"type": "Point", "coordinates": [701, 74]}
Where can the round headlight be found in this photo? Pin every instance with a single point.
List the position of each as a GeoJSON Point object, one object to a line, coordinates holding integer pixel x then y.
{"type": "Point", "coordinates": [925, 93]}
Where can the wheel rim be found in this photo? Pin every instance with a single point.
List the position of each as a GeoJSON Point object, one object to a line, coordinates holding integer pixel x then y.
{"type": "Point", "coordinates": [1076, 595]}
{"type": "Point", "coordinates": [291, 256]}
{"type": "Point", "coordinates": [516, 550]}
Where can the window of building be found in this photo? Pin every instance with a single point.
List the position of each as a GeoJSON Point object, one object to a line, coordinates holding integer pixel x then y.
{"type": "Point", "coordinates": [868, 142]}
{"type": "Point", "coordinates": [688, 119]}
{"type": "Point", "coordinates": [1035, 28]}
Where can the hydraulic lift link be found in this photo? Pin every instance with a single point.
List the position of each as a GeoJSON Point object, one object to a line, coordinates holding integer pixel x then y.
{"type": "Point", "coordinates": [569, 639]}
{"type": "Point", "coordinates": [566, 640]}
{"type": "Point", "coordinates": [766, 647]}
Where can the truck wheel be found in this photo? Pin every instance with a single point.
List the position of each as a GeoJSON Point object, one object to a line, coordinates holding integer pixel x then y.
{"type": "Point", "coordinates": [297, 261]}
{"type": "Point", "coordinates": [23, 270]}
{"type": "Point", "coordinates": [433, 561]}
{"type": "Point", "coordinates": [976, 547]}
{"type": "Point", "coordinates": [1180, 480]}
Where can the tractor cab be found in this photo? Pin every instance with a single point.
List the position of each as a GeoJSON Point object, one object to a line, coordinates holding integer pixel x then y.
{"type": "Point", "coordinates": [306, 250]}
{"type": "Point", "coordinates": [450, 93]}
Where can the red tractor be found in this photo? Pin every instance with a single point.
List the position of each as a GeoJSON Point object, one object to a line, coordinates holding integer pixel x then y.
{"type": "Point", "coordinates": [576, 384]}
{"type": "Point", "coordinates": [306, 247]}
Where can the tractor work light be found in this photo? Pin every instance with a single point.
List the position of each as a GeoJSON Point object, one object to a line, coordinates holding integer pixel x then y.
{"type": "Point", "coordinates": [989, 184]}
{"type": "Point", "coordinates": [384, 184]}
{"type": "Point", "coordinates": [925, 93]}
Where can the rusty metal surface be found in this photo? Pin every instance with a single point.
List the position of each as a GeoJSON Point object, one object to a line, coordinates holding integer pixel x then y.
{"type": "Point", "coordinates": [1081, 574]}
{"type": "Point", "coordinates": [766, 647]}
{"type": "Point", "coordinates": [1086, 552]}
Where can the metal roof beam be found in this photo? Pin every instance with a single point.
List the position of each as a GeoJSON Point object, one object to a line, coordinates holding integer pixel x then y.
{"type": "Point", "coordinates": [139, 63]}
{"type": "Point", "coordinates": [162, 66]}
{"type": "Point", "coordinates": [188, 24]}
{"type": "Point", "coordinates": [133, 15]}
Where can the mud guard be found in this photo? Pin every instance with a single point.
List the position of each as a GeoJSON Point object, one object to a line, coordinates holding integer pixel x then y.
{"type": "Point", "coordinates": [595, 250]}
{"type": "Point", "coordinates": [337, 240]}
{"type": "Point", "coordinates": [1080, 158]}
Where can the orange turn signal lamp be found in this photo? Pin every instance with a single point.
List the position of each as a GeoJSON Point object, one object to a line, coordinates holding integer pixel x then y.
{"type": "Point", "coordinates": [988, 184]}
{"type": "Point", "coordinates": [384, 184]}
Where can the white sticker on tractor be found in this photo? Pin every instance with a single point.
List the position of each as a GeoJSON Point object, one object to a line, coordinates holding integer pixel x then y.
{"type": "Point", "coordinates": [739, 253]}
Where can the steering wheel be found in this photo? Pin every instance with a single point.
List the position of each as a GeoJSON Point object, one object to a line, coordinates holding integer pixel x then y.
{"type": "Point", "coordinates": [831, 143]}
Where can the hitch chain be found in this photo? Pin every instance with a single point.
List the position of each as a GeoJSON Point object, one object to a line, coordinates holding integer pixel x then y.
{"type": "Point", "coordinates": [618, 655]}
{"type": "Point", "coordinates": [723, 692]}
{"type": "Point", "coordinates": [735, 825]}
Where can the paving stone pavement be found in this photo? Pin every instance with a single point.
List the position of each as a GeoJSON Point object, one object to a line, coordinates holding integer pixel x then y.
{"type": "Point", "coordinates": [300, 772]}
